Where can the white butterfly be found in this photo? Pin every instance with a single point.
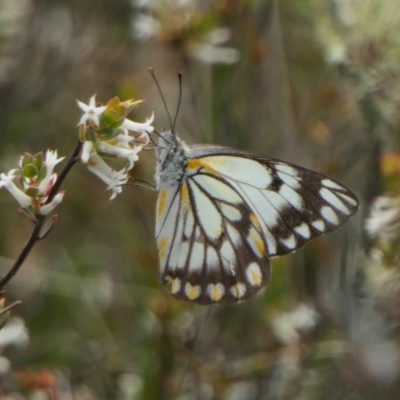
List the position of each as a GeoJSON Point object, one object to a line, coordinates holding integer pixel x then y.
{"type": "Point", "coordinates": [223, 213]}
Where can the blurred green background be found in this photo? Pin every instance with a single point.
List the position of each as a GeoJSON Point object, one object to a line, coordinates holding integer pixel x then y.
{"type": "Point", "coordinates": [311, 82]}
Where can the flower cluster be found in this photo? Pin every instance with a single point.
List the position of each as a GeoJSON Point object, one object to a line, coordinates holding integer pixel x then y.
{"type": "Point", "coordinates": [288, 326]}
{"type": "Point", "coordinates": [384, 218]}
{"type": "Point", "coordinates": [361, 38]}
{"type": "Point", "coordinates": [185, 24]}
{"type": "Point", "coordinates": [105, 133]}
{"type": "Point", "coordinates": [36, 180]}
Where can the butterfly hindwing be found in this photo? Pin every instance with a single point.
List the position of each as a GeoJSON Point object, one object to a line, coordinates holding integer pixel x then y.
{"type": "Point", "coordinates": [215, 251]}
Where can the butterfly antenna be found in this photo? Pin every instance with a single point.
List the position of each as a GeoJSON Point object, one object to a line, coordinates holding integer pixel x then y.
{"type": "Point", "coordinates": [179, 100]}
{"type": "Point", "coordinates": [153, 75]}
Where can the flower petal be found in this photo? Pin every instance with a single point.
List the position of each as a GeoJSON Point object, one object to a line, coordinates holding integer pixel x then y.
{"type": "Point", "coordinates": [46, 209]}
{"type": "Point", "coordinates": [86, 150]}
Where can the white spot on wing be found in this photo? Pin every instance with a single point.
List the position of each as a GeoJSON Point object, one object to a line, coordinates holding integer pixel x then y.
{"type": "Point", "coordinates": [166, 226]}
{"type": "Point", "coordinates": [189, 224]}
{"type": "Point", "coordinates": [215, 291]}
{"type": "Point", "coordinates": [169, 192]}
{"type": "Point", "coordinates": [285, 168]}
{"type": "Point", "coordinates": [350, 200]}
{"type": "Point", "coordinates": [183, 255]}
{"type": "Point", "coordinates": [208, 215]}
{"type": "Point", "coordinates": [291, 196]}
{"type": "Point", "coordinates": [176, 285]}
{"type": "Point", "coordinates": [289, 180]}
{"type": "Point", "coordinates": [234, 235]}
{"type": "Point", "coordinates": [329, 215]}
{"type": "Point", "coordinates": [176, 247]}
{"type": "Point", "coordinates": [192, 292]}
{"type": "Point", "coordinates": [271, 242]}
{"type": "Point", "coordinates": [230, 212]}
{"type": "Point", "coordinates": [331, 184]}
{"type": "Point", "coordinates": [261, 207]}
{"type": "Point", "coordinates": [266, 214]}
{"type": "Point", "coordinates": [212, 259]}
{"type": "Point", "coordinates": [319, 225]}
{"type": "Point", "coordinates": [217, 189]}
{"type": "Point", "coordinates": [289, 242]}
{"type": "Point", "coordinates": [253, 274]}
{"type": "Point", "coordinates": [228, 257]}
{"type": "Point", "coordinates": [303, 230]}
{"type": "Point", "coordinates": [332, 199]}
{"type": "Point", "coordinates": [238, 290]}
{"type": "Point", "coordinates": [241, 169]}
{"type": "Point", "coordinates": [196, 257]}
{"type": "Point", "coordinates": [277, 201]}
{"type": "Point", "coordinates": [256, 242]}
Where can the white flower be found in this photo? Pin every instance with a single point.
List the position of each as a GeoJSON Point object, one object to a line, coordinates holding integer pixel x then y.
{"type": "Point", "coordinates": [211, 54]}
{"type": "Point", "coordinates": [145, 26]}
{"type": "Point", "coordinates": [286, 326]}
{"type": "Point", "coordinates": [48, 208]}
{"type": "Point", "coordinates": [384, 218]}
{"type": "Point", "coordinates": [146, 127]}
{"type": "Point", "coordinates": [113, 179]}
{"type": "Point", "coordinates": [51, 161]}
{"type": "Point", "coordinates": [124, 152]}
{"type": "Point", "coordinates": [14, 332]}
{"type": "Point", "coordinates": [7, 182]}
{"type": "Point", "coordinates": [91, 112]}
{"type": "Point", "coordinates": [5, 366]}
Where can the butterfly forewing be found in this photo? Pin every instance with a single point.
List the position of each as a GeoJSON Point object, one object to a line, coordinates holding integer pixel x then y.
{"type": "Point", "coordinates": [292, 204]}
{"type": "Point", "coordinates": [222, 213]}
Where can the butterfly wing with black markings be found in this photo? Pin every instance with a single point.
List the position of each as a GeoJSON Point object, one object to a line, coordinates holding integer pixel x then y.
{"type": "Point", "coordinates": [230, 211]}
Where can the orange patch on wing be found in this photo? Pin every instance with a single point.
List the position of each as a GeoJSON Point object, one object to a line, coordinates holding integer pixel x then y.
{"type": "Point", "coordinates": [196, 164]}
{"type": "Point", "coordinates": [260, 245]}
{"type": "Point", "coordinates": [184, 194]}
{"type": "Point", "coordinates": [192, 292]}
{"type": "Point", "coordinates": [256, 277]}
{"type": "Point", "coordinates": [162, 247]}
{"type": "Point", "coordinates": [176, 285]}
{"type": "Point", "coordinates": [162, 199]}
{"type": "Point", "coordinates": [216, 292]}
{"type": "Point", "coordinates": [255, 221]}
{"type": "Point", "coordinates": [238, 290]}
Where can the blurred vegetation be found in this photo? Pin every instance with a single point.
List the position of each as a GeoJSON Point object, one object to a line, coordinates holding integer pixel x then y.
{"type": "Point", "coordinates": [312, 82]}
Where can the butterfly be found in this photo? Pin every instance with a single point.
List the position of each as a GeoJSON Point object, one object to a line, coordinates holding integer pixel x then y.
{"type": "Point", "coordinates": [222, 214]}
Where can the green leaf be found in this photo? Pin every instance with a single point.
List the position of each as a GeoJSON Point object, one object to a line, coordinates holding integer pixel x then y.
{"type": "Point", "coordinates": [42, 173]}
{"type": "Point", "coordinates": [48, 226]}
{"type": "Point", "coordinates": [29, 171]}
{"type": "Point", "coordinates": [32, 192]}
{"type": "Point", "coordinates": [114, 117]}
{"type": "Point", "coordinates": [90, 135]}
{"type": "Point", "coordinates": [82, 133]}
{"type": "Point", "coordinates": [114, 102]}
{"type": "Point", "coordinates": [105, 155]}
{"type": "Point", "coordinates": [38, 160]}
{"type": "Point", "coordinates": [26, 159]}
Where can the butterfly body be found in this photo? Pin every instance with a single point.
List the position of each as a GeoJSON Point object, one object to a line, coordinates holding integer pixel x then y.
{"type": "Point", "coordinates": [223, 213]}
